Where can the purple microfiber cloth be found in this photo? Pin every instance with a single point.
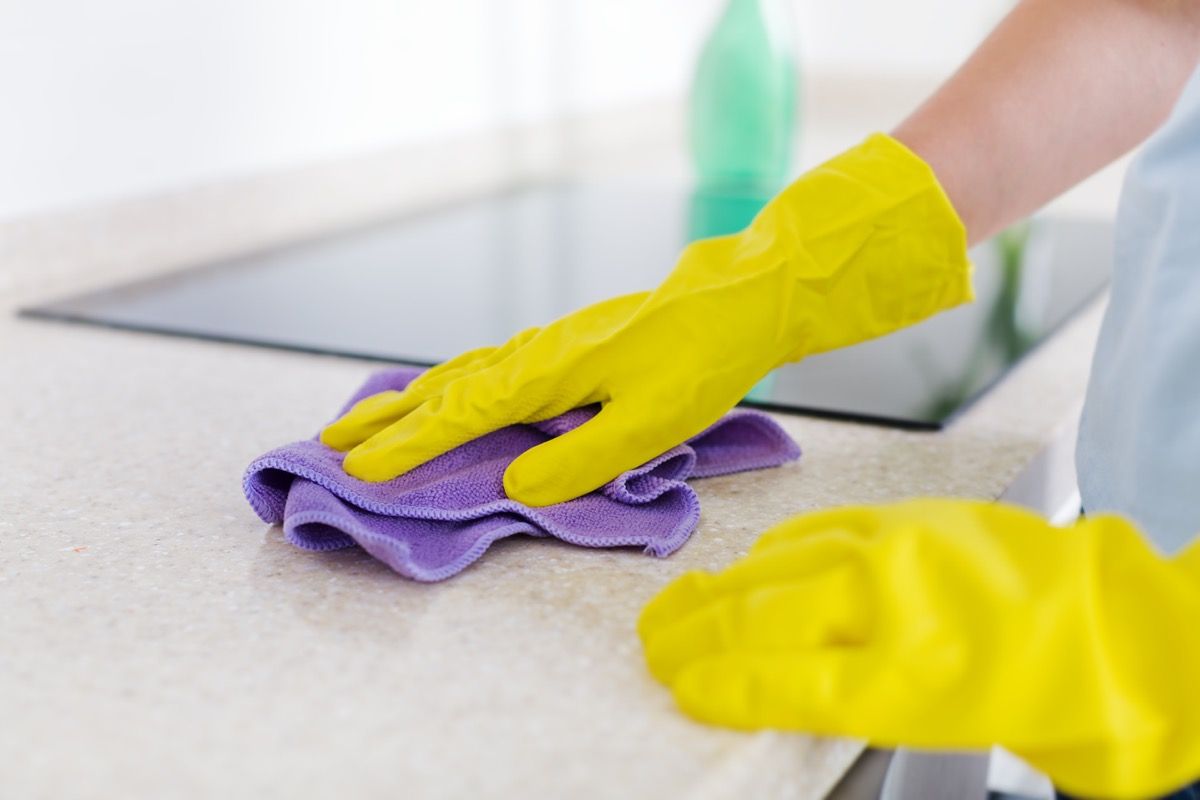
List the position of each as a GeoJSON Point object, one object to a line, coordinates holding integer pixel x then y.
{"type": "Point", "coordinates": [433, 521]}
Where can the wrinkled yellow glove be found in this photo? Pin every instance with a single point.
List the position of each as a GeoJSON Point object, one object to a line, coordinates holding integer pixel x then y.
{"type": "Point", "coordinates": [858, 247]}
{"type": "Point", "coordinates": [951, 624]}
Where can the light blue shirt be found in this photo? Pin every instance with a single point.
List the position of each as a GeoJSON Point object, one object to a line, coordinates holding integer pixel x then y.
{"type": "Point", "coordinates": [1139, 441]}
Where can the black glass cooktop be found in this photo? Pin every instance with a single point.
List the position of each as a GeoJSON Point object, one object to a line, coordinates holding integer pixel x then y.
{"type": "Point", "coordinates": [426, 287]}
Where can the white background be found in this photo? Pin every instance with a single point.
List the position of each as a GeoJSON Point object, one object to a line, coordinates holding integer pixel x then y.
{"type": "Point", "coordinates": [103, 99]}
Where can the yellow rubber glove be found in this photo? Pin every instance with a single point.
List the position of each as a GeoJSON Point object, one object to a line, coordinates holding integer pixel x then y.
{"type": "Point", "coordinates": [951, 624]}
{"type": "Point", "coordinates": [858, 247]}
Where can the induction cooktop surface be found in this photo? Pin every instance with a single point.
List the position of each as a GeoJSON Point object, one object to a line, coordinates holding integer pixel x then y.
{"type": "Point", "coordinates": [425, 287]}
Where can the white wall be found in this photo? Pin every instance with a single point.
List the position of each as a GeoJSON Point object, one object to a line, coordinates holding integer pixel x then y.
{"type": "Point", "coordinates": [102, 99]}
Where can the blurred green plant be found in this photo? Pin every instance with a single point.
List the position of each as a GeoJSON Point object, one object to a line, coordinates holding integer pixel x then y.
{"type": "Point", "coordinates": [1003, 338]}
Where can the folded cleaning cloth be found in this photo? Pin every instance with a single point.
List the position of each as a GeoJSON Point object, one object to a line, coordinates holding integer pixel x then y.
{"type": "Point", "coordinates": [434, 521]}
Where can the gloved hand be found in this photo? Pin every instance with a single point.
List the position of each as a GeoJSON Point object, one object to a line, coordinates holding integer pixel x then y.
{"type": "Point", "coordinates": [951, 624]}
{"type": "Point", "coordinates": [858, 247]}
{"type": "Point", "coordinates": [376, 413]}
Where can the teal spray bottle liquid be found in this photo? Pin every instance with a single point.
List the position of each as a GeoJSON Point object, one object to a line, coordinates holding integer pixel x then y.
{"type": "Point", "coordinates": [742, 120]}
{"type": "Point", "coordinates": [743, 102]}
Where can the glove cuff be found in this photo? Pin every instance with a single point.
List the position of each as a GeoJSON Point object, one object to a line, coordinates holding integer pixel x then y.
{"type": "Point", "coordinates": [871, 242]}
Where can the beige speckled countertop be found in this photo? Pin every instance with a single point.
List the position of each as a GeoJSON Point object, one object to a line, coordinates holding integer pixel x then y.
{"type": "Point", "coordinates": [157, 640]}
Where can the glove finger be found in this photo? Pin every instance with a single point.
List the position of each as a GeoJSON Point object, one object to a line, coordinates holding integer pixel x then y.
{"type": "Point", "coordinates": [435, 379]}
{"type": "Point", "coordinates": [818, 691]}
{"type": "Point", "coordinates": [693, 591]}
{"type": "Point", "coordinates": [620, 437]}
{"type": "Point", "coordinates": [431, 381]}
{"type": "Point", "coordinates": [372, 414]}
{"type": "Point", "coordinates": [681, 597]}
{"type": "Point", "coordinates": [364, 419]}
{"type": "Point", "coordinates": [469, 408]}
{"type": "Point", "coordinates": [830, 608]}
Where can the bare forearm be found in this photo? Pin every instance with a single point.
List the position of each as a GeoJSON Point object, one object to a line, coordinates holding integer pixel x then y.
{"type": "Point", "coordinates": [1059, 89]}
